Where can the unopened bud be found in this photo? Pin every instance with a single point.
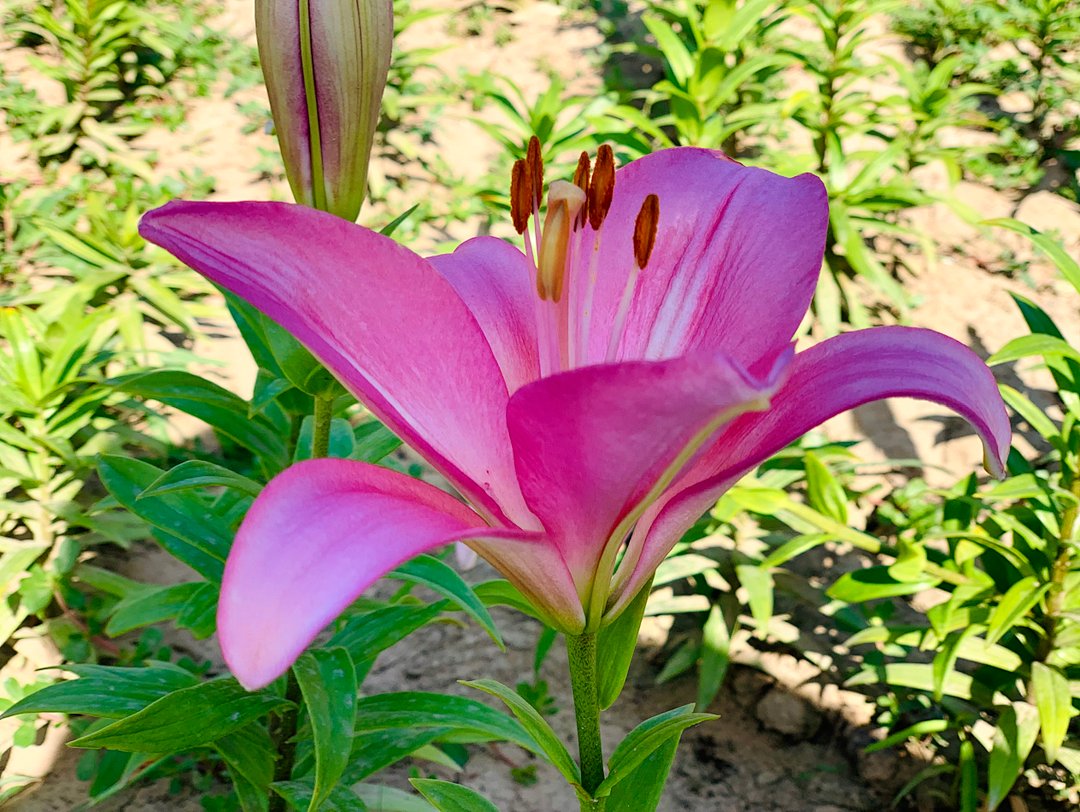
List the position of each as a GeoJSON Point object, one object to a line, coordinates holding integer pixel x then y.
{"type": "Point", "coordinates": [325, 63]}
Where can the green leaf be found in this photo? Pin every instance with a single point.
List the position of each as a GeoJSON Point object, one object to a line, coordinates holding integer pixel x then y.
{"type": "Point", "coordinates": [190, 530]}
{"type": "Point", "coordinates": [501, 592]}
{"type": "Point", "coordinates": [191, 717]}
{"type": "Point", "coordinates": [616, 644]}
{"type": "Point", "coordinates": [415, 709]}
{"type": "Point", "coordinates": [249, 755]}
{"type": "Point", "coordinates": [375, 750]}
{"type": "Point", "coordinates": [1014, 604]}
{"type": "Point", "coordinates": [327, 681]}
{"type": "Point", "coordinates": [212, 404]}
{"type": "Point", "coordinates": [449, 797]}
{"type": "Point", "coordinates": [1054, 702]}
{"type": "Point", "coordinates": [969, 778]}
{"type": "Point", "coordinates": [910, 561]}
{"type": "Point", "coordinates": [150, 605]}
{"type": "Point", "coordinates": [391, 227]}
{"type": "Point", "coordinates": [873, 583]}
{"type": "Point", "coordinates": [643, 787]}
{"type": "Point", "coordinates": [365, 636]}
{"type": "Point", "coordinates": [299, 796]}
{"type": "Point", "coordinates": [945, 659]}
{"type": "Point", "coordinates": [758, 584]}
{"type": "Point", "coordinates": [823, 490]}
{"type": "Point", "coordinates": [644, 740]}
{"type": "Point", "coordinates": [678, 58]}
{"type": "Point", "coordinates": [538, 728]}
{"type": "Point", "coordinates": [108, 691]}
{"type": "Point", "coordinates": [715, 657]}
{"type": "Point", "coordinates": [374, 441]}
{"type": "Point", "coordinates": [1052, 247]}
{"type": "Point", "coordinates": [434, 574]}
{"type": "Point", "coordinates": [388, 799]}
{"type": "Point", "coordinates": [200, 474]}
{"type": "Point", "coordinates": [1017, 728]}
{"type": "Point", "coordinates": [1037, 344]}
{"type": "Point", "coordinates": [919, 676]}
{"type": "Point", "coordinates": [1035, 417]}
{"type": "Point", "coordinates": [916, 731]}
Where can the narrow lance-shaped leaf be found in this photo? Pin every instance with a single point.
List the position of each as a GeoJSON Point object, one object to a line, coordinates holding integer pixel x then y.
{"type": "Point", "coordinates": [434, 574]}
{"type": "Point", "coordinates": [553, 749]}
{"type": "Point", "coordinates": [449, 797]}
{"type": "Point", "coordinates": [1017, 728]}
{"type": "Point", "coordinates": [644, 740]}
{"type": "Point", "coordinates": [615, 649]}
{"type": "Point", "coordinates": [190, 717]}
{"type": "Point", "coordinates": [328, 683]}
{"type": "Point", "coordinates": [1054, 702]}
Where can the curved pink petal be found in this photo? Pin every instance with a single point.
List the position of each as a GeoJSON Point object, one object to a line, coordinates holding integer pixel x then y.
{"type": "Point", "coordinates": [836, 375]}
{"type": "Point", "coordinates": [595, 444]}
{"type": "Point", "coordinates": [494, 279]}
{"type": "Point", "coordinates": [318, 535]}
{"type": "Point", "coordinates": [381, 319]}
{"type": "Point", "coordinates": [737, 256]}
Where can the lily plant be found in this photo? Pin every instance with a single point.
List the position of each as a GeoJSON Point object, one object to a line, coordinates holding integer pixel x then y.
{"type": "Point", "coordinates": [587, 394]}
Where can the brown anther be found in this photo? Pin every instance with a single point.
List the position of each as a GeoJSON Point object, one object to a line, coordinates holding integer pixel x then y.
{"type": "Point", "coordinates": [581, 180]}
{"type": "Point", "coordinates": [645, 230]}
{"type": "Point", "coordinates": [601, 186]}
{"type": "Point", "coordinates": [520, 196]}
{"type": "Point", "coordinates": [535, 162]}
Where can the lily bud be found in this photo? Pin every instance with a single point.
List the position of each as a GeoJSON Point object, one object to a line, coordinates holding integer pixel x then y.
{"type": "Point", "coordinates": [325, 63]}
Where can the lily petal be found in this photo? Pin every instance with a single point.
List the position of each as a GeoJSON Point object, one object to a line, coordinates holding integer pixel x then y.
{"type": "Point", "coordinates": [381, 318]}
{"type": "Point", "coordinates": [737, 255]}
{"type": "Point", "coordinates": [494, 280]}
{"type": "Point", "coordinates": [596, 444]}
{"type": "Point", "coordinates": [318, 535]}
{"type": "Point", "coordinates": [830, 378]}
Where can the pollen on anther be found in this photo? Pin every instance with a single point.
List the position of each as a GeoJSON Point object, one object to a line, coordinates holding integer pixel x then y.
{"type": "Point", "coordinates": [520, 196]}
{"type": "Point", "coordinates": [645, 230]}
{"type": "Point", "coordinates": [601, 186]}
{"type": "Point", "coordinates": [581, 180]}
{"type": "Point", "coordinates": [535, 161]}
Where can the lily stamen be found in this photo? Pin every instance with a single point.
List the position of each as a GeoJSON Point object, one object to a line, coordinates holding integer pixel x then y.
{"type": "Point", "coordinates": [645, 226]}
{"type": "Point", "coordinates": [534, 162]}
{"type": "Point", "coordinates": [520, 196]}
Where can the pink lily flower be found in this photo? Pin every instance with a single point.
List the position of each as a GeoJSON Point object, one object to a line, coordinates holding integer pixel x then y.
{"type": "Point", "coordinates": [591, 395]}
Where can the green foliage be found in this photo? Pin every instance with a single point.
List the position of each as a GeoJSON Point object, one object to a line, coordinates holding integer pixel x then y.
{"type": "Point", "coordinates": [721, 70]}
{"type": "Point", "coordinates": [1025, 48]}
{"type": "Point", "coordinates": [113, 61]}
{"type": "Point", "coordinates": [1005, 674]}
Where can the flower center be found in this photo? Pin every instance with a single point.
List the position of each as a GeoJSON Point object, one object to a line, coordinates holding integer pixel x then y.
{"type": "Point", "coordinates": [564, 305]}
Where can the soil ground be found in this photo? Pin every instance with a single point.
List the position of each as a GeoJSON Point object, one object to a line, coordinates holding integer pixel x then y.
{"type": "Point", "coordinates": [788, 739]}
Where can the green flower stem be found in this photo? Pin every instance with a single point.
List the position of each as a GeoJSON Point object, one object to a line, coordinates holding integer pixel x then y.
{"type": "Point", "coordinates": [581, 651]}
{"type": "Point", "coordinates": [283, 733]}
{"type": "Point", "coordinates": [1059, 571]}
{"type": "Point", "coordinates": [320, 440]}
